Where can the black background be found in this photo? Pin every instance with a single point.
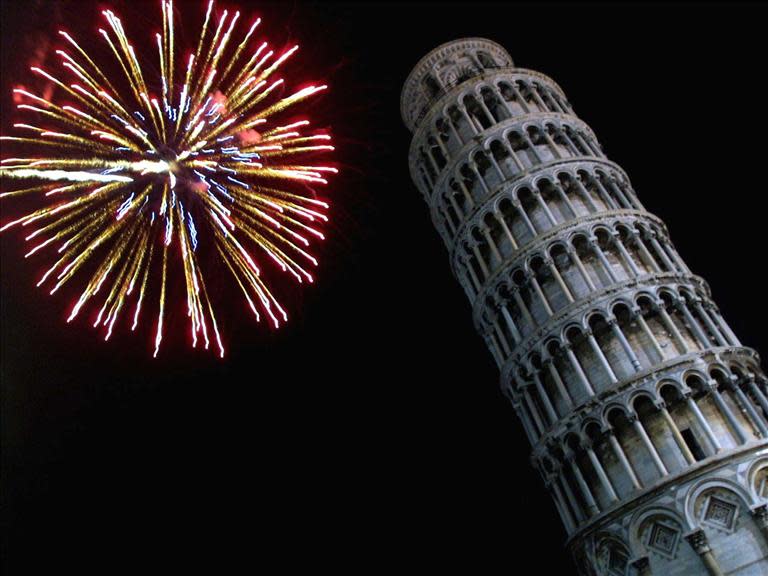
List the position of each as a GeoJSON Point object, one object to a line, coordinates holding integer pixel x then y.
{"type": "Point", "coordinates": [370, 432]}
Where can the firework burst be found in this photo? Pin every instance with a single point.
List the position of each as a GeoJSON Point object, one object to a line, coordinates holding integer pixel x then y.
{"type": "Point", "coordinates": [134, 182]}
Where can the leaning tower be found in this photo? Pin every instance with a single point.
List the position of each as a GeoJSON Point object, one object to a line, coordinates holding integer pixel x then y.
{"type": "Point", "coordinates": [648, 419]}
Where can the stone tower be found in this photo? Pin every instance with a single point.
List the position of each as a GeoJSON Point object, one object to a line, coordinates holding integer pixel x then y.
{"type": "Point", "coordinates": [647, 417]}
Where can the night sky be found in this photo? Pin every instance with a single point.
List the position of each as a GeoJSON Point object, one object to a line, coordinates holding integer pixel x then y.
{"type": "Point", "coordinates": [370, 431]}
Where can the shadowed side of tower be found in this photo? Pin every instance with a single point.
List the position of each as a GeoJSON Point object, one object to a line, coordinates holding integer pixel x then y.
{"type": "Point", "coordinates": [647, 417]}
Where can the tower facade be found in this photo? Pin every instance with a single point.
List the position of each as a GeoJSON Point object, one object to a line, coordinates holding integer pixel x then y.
{"type": "Point", "coordinates": [648, 419]}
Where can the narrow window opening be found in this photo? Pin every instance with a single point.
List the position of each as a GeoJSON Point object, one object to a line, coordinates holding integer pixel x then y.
{"type": "Point", "coordinates": [693, 444]}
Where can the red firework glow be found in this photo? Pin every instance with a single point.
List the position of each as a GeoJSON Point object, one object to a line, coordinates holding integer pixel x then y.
{"type": "Point", "coordinates": [132, 182]}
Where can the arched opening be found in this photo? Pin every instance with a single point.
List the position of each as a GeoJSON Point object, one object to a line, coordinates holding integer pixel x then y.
{"type": "Point", "coordinates": [471, 182]}
{"type": "Point", "coordinates": [487, 172]}
{"type": "Point", "coordinates": [570, 189]}
{"type": "Point", "coordinates": [552, 290]}
{"type": "Point", "coordinates": [447, 136]}
{"type": "Point", "coordinates": [543, 151]}
{"type": "Point", "coordinates": [578, 142]}
{"type": "Point", "coordinates": [536, 215]}
{"type": "Point", "coordinates": [476, 113]}
{"type": "Point", "coordinates": [636, 340]}
{"type": "Point", "coordinates": [494, 105]}
{"type": "Point", "coordinates": [478, 271]}
{"type": "Point", "coordinates": [627, 238]}
{"type": "Point", "coordinates": [556, 402]}
{"type": "Point", "coordinates": [690, 429]}
{"type": "Point", "coordinates": [555, 134]}
{"type": "Point", "coordinates": [486, 60]}
{"type": "Point", "coordinates": [496, 234]}
{"type": "Point", "coordinates": [660, 442]}
{"type": "Point", "coordinates": [589, 261]}
{"type": "Point", "coordinates": [587, 358]}
{"type": "Point", "coordinates": [615, 265]}
{"type": "Point", "coordinates": [483, 251]}
{"type": "Point", "coordinates": [428, 166]}
{"type": "Point", "coordinates": [649, 239]}
{"type": "Point", "coordinates": [519, 316]}
{"type": "Point", "coordinates": [504, 160]}
{"type": "Point", "coordinates": [607, 186]}
{"type": "Point", "coordinates": [521, 149]}
{"type": "Point", "coordinates": [722, 434]}
{"type": "Point", "coordinates": [529, 299]}
{"type": "Point", "coordinates": [685, 339]}
{"type": "Point", "coordinates": [460, 123]}
{"type": "Point", "coordinates": [657, 335]}
{"type": "Point", "coordinates": [511, 98]}
{"type": "Point", "coordinates": [553, 198]}
{"type": "Point", "coordinates": [630, 446]}
{"type": "Point", "coordinates": [437, 153]}
{"type": "Point", "coordinates": [736, 405]}
{"type": "Point", "coordinates": [746, 382]}
{"type": "Point", "coordinates": [457, 198]}
{"type": "Point", "coordinates": [527, 93]}
{"type": "Point", "coordinates": [570, 275]}
{"type": "Point", "coordinates": [606, 351]}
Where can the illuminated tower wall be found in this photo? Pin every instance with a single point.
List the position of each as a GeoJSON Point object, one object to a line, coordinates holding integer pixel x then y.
{"type": "Point", "coordinates": [646, 416]}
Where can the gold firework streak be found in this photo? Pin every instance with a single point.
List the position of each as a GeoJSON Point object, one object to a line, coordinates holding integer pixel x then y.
{"type": "Point", "coordinates": [142, 180]}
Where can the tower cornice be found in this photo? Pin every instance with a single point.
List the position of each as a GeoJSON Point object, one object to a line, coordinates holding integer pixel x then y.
{"type": "Point", "coordinates": [498, 130]}
{"type": "Point", "coordinates": [557, 234]}
{"type": "Point", "coordinates": [620, 395]}
{"type": "Point", "coordinates": [531, 178]}
{"type": "Point", "coordinates": [600, 300]}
